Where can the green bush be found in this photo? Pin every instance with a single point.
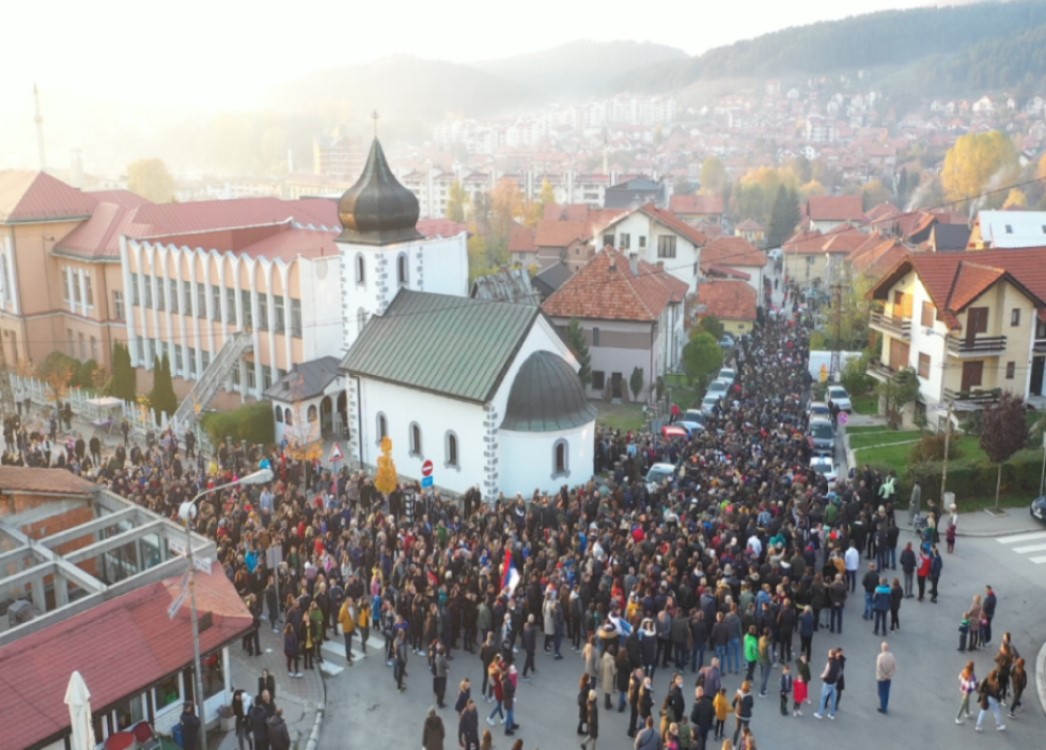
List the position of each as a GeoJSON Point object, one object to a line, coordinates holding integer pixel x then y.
{"type": "Point", "coordinates": [977, 478]}
{"type": "Point", "coordinates": [251, 422]}
{"type": "Point", "coordinates": [931, 448]}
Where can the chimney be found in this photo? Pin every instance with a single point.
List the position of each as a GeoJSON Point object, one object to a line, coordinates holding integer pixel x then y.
{"type": "Point", "coordinates": [633, 263]}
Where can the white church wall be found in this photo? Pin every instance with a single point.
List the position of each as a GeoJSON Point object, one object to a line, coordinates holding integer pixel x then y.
{"type": "Point", "coordinates": [322, 332]}
{"type": "Point", "coordinates": [527, 459]}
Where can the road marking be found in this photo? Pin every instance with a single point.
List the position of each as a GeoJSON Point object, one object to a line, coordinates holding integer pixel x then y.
{"type": "Point", "coordinates": [336, 650]}
{"type": "Point", "coordinates": [332, 669]}
{"type": "Point", "coordinates": [1038, 560]}
{"type": "Point", "coordinates": [1013, 539]}
{"type": "Point", "coordinates": [1030, 548]}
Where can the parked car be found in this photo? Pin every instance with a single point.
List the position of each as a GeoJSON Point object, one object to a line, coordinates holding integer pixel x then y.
{"type": "Point", "coordinates": [657, 474]}
{"type": "Point", "coordinates": [727, 341]}
{"type": "Point", "coordinates": [1038, 508]}
{"type": "Point", "coordinates": [708, 403]}
{"type": "Point", "coordinates": [717, 388]}
{"type": "Point", "coordinates": [694, 415]}
{"type": "Point", "coordinates": [825, 466]}
{"type": "Point", "coordinates": [674, 431]}
{"type": "Point", "coordinates": [821, 436]}
{"type": "Point", "coordinates": [727, 374]}
{"type": "Point", "coordinates": [691, 427]}
{"type": "Point", "coordinates": [839, 398]}
{"type": "Point", "coordinates": [819, 410]}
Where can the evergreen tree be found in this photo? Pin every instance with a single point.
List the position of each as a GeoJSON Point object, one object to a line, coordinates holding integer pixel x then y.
{"type": "Point", "coordinates": [577, 343]}
{"type": "Point", "coordinates": [162, 395]}
{"type": "Point", "coordinates": [784, 216]}
{"type": "Point", "coordinates": [124, 382]}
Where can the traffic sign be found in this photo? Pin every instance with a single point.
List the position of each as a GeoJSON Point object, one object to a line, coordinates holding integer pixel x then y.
{"type": "Point", "coordinates": [175, 605]}
{"type": "Point", "coordinates": [843, 418]}
{"type": "Point", "coordinates": [426, 468]}
{"type": "Point", "coordinates": [336, 454]}
{"type": "Point", "coordinates": [426, 481]}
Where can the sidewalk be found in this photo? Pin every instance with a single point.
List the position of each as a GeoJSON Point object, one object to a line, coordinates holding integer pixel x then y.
{"type": "Point", "coordinates": [981, 523]}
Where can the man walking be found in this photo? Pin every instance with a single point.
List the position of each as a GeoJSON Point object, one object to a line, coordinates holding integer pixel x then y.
{"type": "Point", "coordinates": [837, 599]}
{"type": "Point", "coordinates": [908, 567]}
{"type": "Point", "coordinates": [830, 676]}
{"type": "Point", "coordinates": [881, 604]}
{"type": "Point", "coordinates": [885, 666]}
{"type": "Point", "coordinates": [852, 560]}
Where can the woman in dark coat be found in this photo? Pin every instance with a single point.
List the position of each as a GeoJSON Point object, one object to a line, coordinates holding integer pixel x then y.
{"type": "Point", "coordinates": [585, 686]}
{"type": "Point", "coordinates": [432, 735]}
{"type": "Point", "coordinates": [593, 720]}
{"type": "Point", "coordinates": [624, 672]}
{"type": "Point", "coordinates": [291, 649]}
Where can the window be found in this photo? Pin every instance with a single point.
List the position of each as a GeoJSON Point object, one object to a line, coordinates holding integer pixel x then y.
{"type": "Point", "coordinates": [118, 308]}
{"type": "Point", "coordinates": [279, 414]}
{"type": "Point", "coordinates": [201, 300]}
{"type": "Point", "coordinates": [266, 377]}
{"type": "Point", "coordinates": [139, 350]}
{"type": "Point", "coordinates": [161, 298]}
{"type": "Point", "coordinates": [263, 314]}
{"type": "Point", "coordinates": [401, 269]}
{"type": "Point", "coordinates": [289, 417]}
{"type": "Point", "coordinates": [624, 241]}
{"type": "Point", "coordinates": [598, 380]}
{"type": "Point", "coordinates": [173, 295]}
{"type": "Point", "coordinates": [383, 427]}
{"type": "Point", "coordinates": [560, 464]}
{"type": "Point", "coordinates": [608, 240]}
{"type": "Point", "coordinates": [205, 360]}
{"type": "Point", "coordinates": [1015, 317]}
{"type": "Point", "coordinates": [595, 337]}
{"type": "Point", "coordinates": [147, 288]}
{"type": "Point", "coordinates": [924, 366]}
{"type": "Point", "coordinates": [312, 414]}
{"type": "Point", "coordinates": [236, 377]}
{"type": "Point", "coordinates": [277, 314]}
{"type": "Point", "coordinates": [166, 691]}
{"type": "Point", "coordinates": [415, 439]}
{"type": "Point", "coordinates": [642, 241]}
{"type": "Point", "coordinates": [666, 246]}
{"type": "Point", "coordinates": [248, 313]}
{"type": "Point", "coordinates": [296, 318]}
{"type": "Point", "coordinates": [452, 449]}
{"type": "Point", "coordinates": [1011, 370]}
{"type": "Point", "coordinates": [929, 312]}
{"type": "Point", "coordinates": [88, 291]}
{"type": "Point", "coordinates": [190, 361]}
{"type": "Point", "coordinates": [252, 378]}
{"type": "Point", "coordinates": [187, 297]}
{"type": "Point", "coordinates": [976, 320]}
{"type": "Point", "coordinates": [230, 306]}
{"type": "Point", "coordinates": [361, 270]}
{"type": "Point", "coordinates": [66, 283]}
{"type": "Point", "coordinates": [216, 302]}
{"type": "Point", "coordinates": [135, 299]}
{"type": "Point", "coordinates": [1009, 229]}
{"type": "Point", "coordinates": [94, 348]}
{"type": "Point", "coordinates": [178, 365]}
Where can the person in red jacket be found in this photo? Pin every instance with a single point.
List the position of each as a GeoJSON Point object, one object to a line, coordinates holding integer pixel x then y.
{"type": "Point", "coordinates": [923, 573]}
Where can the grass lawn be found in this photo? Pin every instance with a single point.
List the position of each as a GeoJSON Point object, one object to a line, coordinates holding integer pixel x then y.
{"type": "Point", "coordinates": [866, 439]}
{"type": "Point", "coordinates": [857, 430]}
{"type": "Point", "coordinates": [889, 456]}
{"type": "Point", "coordinates": [866, 404]}
{"type": "Point", "coordinates": [622, 417]}
{"type": "Point", "coordinates": [684, 395]}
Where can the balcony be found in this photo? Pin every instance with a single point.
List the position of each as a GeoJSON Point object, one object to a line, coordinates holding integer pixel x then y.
{"type": "Point", "coordinates": [1040, 345]}
{"type": "Point", "coordinates": [880, 371]}
{"type": "Point", "coordinates": [974, 396]}
{"type": "Point", "coordinates": [896, 327]}
{"type": "Point", "coordinates": [981, 346]}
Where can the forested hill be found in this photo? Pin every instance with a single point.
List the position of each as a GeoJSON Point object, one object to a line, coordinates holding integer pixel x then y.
{"type": "Point", "coordinates": [958, 37]}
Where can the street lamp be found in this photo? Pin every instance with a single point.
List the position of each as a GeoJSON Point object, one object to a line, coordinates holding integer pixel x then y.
{"type": "Point", "coordinates": [187, 512]}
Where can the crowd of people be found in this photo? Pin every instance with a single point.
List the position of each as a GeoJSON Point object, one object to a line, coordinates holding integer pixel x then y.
{"type": "Point", "coordinates": [717, 571]}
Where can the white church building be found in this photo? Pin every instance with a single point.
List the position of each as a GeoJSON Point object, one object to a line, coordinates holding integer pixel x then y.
{"type": "Point", "coordinates": [485, 390]}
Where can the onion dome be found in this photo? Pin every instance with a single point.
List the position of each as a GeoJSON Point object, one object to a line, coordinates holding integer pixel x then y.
{"type": "Point", "coordinates": [546, 396]}
{"type": "Point", "coordinates": [378, 210]}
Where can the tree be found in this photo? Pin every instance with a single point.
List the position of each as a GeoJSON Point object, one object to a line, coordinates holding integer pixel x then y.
{"type": "Point", "coordinates": [58, 371]}
{"type": "Point", "coordinates": [855, 377]}
{"type": "Point", "coordinates": [1015, 199]}
{"type": "Point", "coordinates": [712, 325]}
{"type": "Point", "coordinates": [702, 356]}
{"type": "Point", "coordinates": [386, 479]}
{"type": "Point", "coordinates": [579, 346]}
{"type": "Point", "coordinates": [161, 397]}
{"type": "Point", "coordinates": [150, 179]}
{"type": "Point", "coordinates": [123, 382]}
{"type": "Point", "coordinates": [784, 216]}
{"type": "Point", "coordinates": [1004, 431]}
{"type": "Point", "coordinates": [457, 201]}
{"type": "Point", "coordinates": [713, 176]}
{"type": "Point", "coordinates": [978, 162]}
{"type": "Point", "coordinates": [635, 381]}
{"type": "Point", "coordinates": [899, 390]}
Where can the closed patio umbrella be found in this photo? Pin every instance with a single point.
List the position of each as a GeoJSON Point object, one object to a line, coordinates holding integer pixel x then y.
{"type": "Point", "coordinates": [78, 698]}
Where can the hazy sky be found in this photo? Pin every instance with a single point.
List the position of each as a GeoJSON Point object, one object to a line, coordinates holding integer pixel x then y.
{"type": "Point", "coordinates": [122, 66]}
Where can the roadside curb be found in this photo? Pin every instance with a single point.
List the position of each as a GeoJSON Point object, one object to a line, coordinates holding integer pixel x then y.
{"type": "Point", "coordinates": [314, 736]}
{"type": "Point", "coordinates": [1040, 676]}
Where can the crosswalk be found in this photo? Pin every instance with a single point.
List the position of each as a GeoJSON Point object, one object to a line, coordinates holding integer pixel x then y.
{"type": "Point", "coordinates": [334, 655]}
{"type": "Point", "coordinates": [1032, 544]}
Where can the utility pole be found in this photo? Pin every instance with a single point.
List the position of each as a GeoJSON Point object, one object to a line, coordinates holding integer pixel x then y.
{"type": "Point", "coordinates": [837, 303]}
{"type": "Point", "coordinates": [39, 120]}
{"type": "Point", "coordinates": [947, 445]}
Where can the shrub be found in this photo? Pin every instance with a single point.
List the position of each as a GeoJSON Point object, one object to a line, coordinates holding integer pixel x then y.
{"type": "Point", "coordinates": [251, 422]}
{"type": "Point", "coordinates": [931, 448]}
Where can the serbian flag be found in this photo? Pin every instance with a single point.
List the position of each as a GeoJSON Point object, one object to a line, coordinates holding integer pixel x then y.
{"type": "Point", "coordinates": [509, 574]}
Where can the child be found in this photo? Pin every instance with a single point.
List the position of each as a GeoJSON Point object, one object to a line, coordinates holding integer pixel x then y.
{"type": "Point", "coordinates": [786, 688]}
{"type": "Point", "coordinates": [801, 685]}
{"type": "Point", "coordinates": [949, 537]}
{"type": "Point", "coordinates": [722, 710]}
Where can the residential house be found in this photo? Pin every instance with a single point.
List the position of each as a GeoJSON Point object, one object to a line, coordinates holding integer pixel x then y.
{"type": "Point", "coordinates": [735, 257]}
{"type": "Point", "coordinates": [635, 192]}
{"type": "Point", "coordinates": [309, 403]}
{"type": "Point", "coordinates": [522, 245]}
{"type": "Point", "coordinates": [734, 303]}
{"type": "Point", "coordinates": [1008, 229]}
{"type": "Point", "coordinates": [697, 208]}
{"type": "Point", "coordinates": [632, 314]}
{"type": "Point", "coordinates": [969, 324]}
{"type": "Point", "coordinates": [826, 212]}
{"type": "Point", "coordinates": [752, 231]}
{"type": "Point", "coordinates": [551, 279]}
{"type": "Point", "coordinates": [809, 256]}
{"type": "Point", "coordinates": [655, 235]}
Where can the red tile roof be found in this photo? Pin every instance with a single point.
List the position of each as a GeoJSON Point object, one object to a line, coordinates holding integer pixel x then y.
{"type": "Point", "coordinates": [750, 225]}
{"type": "Point", "coordinates": [673, 222]}
{"type": "Point", "coordinates": [883, 213]}
{"type": "Point", "coordinates": [120, 646]}
{"type": "Point", "coordinates": [704, 205]}
{"type": "Point", "coordinates": [521, 239]}
{"type": "Point", "coordinates": [728, 299]}
{"type": "Point", "coordinates": [955, 280]}
{"type": "Point", "coordinates": [835, 208]}
{"type": "Point", "coordinates": [560, 233]}
{"type": "Point", "coordinates": [433, 228]}
{"type": "Point", "coordinates": [732, 251]}
{"type": "Point", "coordinates": [43, 481]}
{"type": "Point", "coordinates": [37, 196]}
{"type": "Point", "coordinates": [606, 288]}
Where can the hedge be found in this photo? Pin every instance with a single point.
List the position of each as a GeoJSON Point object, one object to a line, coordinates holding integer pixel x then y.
{"type": "Point", "coordinates": [976, 478]}
{"type": "Point", "coordinates": [251, 422]}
